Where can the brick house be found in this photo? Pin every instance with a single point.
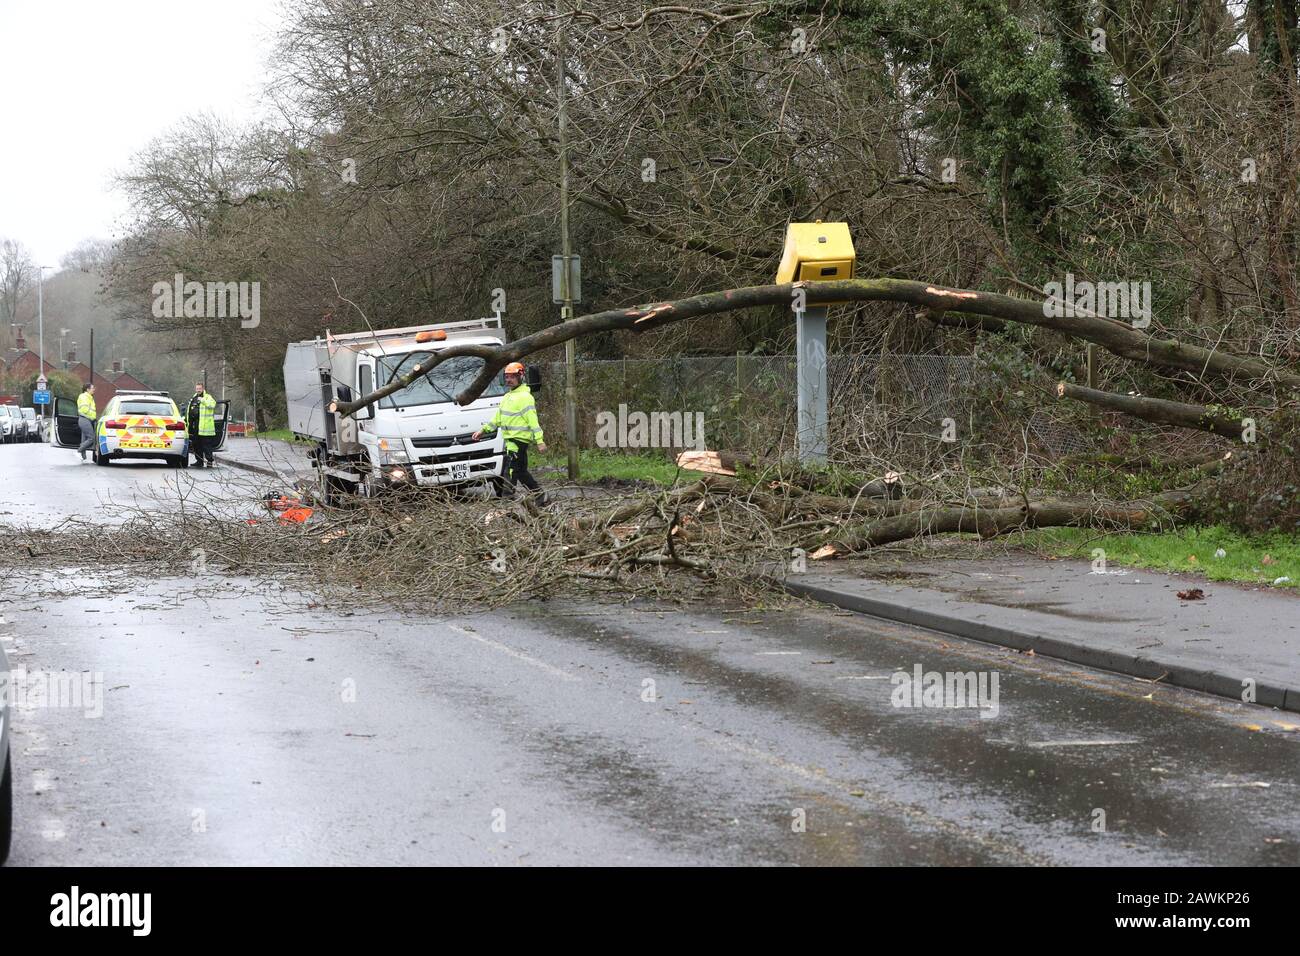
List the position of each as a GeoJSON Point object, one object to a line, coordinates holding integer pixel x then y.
{"type": "Point", "coordinates": [20, 364]}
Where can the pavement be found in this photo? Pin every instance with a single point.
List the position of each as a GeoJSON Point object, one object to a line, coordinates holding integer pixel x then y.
{"type": "Point", "coordinates": [1235, 640]}
{"type": "Point", "coordinates": [270, 457]}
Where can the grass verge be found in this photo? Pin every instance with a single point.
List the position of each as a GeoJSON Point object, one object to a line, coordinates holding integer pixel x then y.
{"type": "Point", "coordinates": [594, 464]}
{"type": "Point", "coordinates": [280, 434]}
{"type": "Point", "coordinates": [1272, 559]}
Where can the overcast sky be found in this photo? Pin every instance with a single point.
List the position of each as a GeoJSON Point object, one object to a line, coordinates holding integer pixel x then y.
{"type": "Point", "coordinates": [84, 84]}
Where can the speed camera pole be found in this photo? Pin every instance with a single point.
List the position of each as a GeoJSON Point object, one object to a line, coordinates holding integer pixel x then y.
{"type": "Point", "coordinates": [566, 290]}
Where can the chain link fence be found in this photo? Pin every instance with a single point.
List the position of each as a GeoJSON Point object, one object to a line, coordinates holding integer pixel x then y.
{"type": "Point", "coordinates": [913, 412]}
{"type": "Point", "coordinates": [748, 402]}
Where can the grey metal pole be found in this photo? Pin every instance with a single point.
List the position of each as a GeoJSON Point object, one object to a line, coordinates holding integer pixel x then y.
{"type": "Point", "coordinates": [40, 329]}
{"type": "Point", "coordinates": [566, 250]}
{"type": "Point", "coordinates": [810, 339]}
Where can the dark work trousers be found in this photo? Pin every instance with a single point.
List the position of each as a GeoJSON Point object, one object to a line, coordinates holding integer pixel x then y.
{"type": "Point", "coordinates": [517, 470]}
{"type": "Point", "coordinates": [87, 428]}
{"type": "Point", "coordinates": [202, 447]}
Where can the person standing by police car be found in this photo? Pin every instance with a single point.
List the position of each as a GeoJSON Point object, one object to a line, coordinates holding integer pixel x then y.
{"type": "Point", "coordinates": [200, 418]}
{"type": "Point", "coordinates": [86, 415]}
{"type": "Point", "coordinates": [516, 417]}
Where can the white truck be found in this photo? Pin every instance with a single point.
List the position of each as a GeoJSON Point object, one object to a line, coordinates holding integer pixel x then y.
{"type": "Point", "coordinates": [417, 436]}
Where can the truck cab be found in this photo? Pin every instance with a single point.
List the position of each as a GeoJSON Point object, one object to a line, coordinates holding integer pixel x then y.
{"type": "Point", "coordinates": [418, 436]}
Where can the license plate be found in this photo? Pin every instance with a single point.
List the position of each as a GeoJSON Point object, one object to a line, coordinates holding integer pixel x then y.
{"type": "Point", "coordinates": [145, 430]}
{"type": "Point", "coordinates": [459, 472]}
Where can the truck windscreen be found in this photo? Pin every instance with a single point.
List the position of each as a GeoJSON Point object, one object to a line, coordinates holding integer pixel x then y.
{"type": "Point", "coordinates": [440, 385]}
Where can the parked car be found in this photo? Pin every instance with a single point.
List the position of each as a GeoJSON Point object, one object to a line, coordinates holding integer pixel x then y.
{"type": "Point", "coordinates": [35, 429]}
{"type": "Point", "coordinates": [10, 426]}
{"type": "Point", "coordinates": [21, 431]}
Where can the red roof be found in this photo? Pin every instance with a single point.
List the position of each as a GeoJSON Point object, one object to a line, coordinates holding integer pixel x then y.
{"type": "Point", "coordinates": [22, 363]}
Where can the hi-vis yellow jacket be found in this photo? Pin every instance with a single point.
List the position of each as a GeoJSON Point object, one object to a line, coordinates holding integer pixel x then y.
{"type": "Point", "coordinates": [86, 406]}
{"type": "Point", "coordinates": [204, 414]}
{"type": "Point", "coordinates": [517, 418]}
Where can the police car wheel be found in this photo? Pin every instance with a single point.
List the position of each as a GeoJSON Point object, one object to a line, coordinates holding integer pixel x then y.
{"type": "Point", "coordinates": [6, 810]}
{"type": "Point", "coordinates": [100, 459]}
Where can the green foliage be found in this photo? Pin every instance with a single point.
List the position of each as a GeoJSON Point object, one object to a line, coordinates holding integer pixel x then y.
{"type": "Point", "coordinates": [1260, 492]}
{"type": "Point", "coordinates": [596, 466]}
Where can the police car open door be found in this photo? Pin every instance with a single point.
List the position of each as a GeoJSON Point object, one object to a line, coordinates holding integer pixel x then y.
{"type": "Point", "coordinates": [67, 432]}
{"type": "Point", "coordinates": [220, 416]}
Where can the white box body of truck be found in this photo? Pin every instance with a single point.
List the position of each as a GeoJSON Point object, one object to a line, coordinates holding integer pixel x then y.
{"type": "Point", "coordinates": [416, 436]}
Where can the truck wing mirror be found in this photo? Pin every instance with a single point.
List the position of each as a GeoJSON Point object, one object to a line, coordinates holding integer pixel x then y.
{"type": "Point", "coordinates": [534, 378]}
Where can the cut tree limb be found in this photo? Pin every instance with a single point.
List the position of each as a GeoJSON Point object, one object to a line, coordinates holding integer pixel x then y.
{"type": "Point", "coordinates": [1113, 335]}
{"type": "Point", "coordinates": [989, 522]}
{"type": "Point", "coordinates": [727, 463]}
{"type": "Point", "coordinates": [1157, 410]}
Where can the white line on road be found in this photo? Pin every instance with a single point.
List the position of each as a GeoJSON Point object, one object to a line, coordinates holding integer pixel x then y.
{"type": "Point", "coordinates": [1081, 743]}
{"type": "Point", "coordinates": [517, 655]}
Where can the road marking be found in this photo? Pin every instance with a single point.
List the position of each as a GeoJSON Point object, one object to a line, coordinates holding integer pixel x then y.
{"type": "Point", "coordinates": [868, 677]}
{"type": "Point", "coordinates": [1082, 743]}
{"type": "Point", "coordinates": [1253, 783]}
{"type": "Point", "coordinates": [517, 655]}
{"type": "Point", "coordinates": [778, 653]}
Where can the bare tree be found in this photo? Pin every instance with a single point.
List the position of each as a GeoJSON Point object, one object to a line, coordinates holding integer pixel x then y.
{"type": "Point", "coordinates": [17, 273]}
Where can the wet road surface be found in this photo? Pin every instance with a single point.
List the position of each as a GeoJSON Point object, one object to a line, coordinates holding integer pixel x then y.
{"type": "Point", "coordinates": [234, 723]}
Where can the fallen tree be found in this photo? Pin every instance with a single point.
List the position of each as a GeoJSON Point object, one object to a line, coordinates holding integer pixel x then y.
{"type": "Point", "coordinates": [1117, 337]}
{"type": "Point", "coordinates": [729, 536]}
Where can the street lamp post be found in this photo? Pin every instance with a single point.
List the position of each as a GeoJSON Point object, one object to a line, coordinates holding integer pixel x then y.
{"type": "Point", "coordinates": [40, 327]}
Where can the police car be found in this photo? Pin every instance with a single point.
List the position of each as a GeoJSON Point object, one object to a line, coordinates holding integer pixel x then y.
{"type": "Point", "coordinates": [141, 425]}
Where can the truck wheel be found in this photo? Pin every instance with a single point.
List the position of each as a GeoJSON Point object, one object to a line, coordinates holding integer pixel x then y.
{"type": "Point", "coordinates": [330, 491]}
{"type": "Point", "coordinates": [6, 810]}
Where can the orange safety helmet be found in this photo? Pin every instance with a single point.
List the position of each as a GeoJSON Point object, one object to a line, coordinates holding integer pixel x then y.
{"type": "Point", "coordinates": [515, 368]}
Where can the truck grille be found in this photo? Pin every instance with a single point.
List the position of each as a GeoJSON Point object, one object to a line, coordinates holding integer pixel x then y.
{"type": "Point", "coordinates": [444, 442]}
{"type": "Point", "coordinates": [483, 455]}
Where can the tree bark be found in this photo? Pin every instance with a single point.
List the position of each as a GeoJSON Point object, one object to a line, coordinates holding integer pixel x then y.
{"type": "Point", "coordinates": [1115, 336]}
{"type": "Point", "coordinates": [990, 522]}
{"type": "Point", "coordinates": [1157, 410]}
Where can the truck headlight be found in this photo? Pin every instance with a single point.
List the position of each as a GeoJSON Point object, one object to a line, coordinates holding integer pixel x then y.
{"type": "Point", "coordinates": [390, 456]}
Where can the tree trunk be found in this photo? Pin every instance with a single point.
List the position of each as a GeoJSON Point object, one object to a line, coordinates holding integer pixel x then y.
{"type": "Point", "coordinates": [1157, 410]}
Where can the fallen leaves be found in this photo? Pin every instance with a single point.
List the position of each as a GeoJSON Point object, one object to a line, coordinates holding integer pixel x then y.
{"type": "Point", "coordinates": [1192, 594]}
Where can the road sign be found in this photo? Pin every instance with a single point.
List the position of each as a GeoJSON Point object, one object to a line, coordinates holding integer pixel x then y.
{"type": "Point", "coordinates": [557, 279]}
{"type": "Point", "coordinates": [42, 383]}
{"type": "Point", "coordinates": [41, 396]}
